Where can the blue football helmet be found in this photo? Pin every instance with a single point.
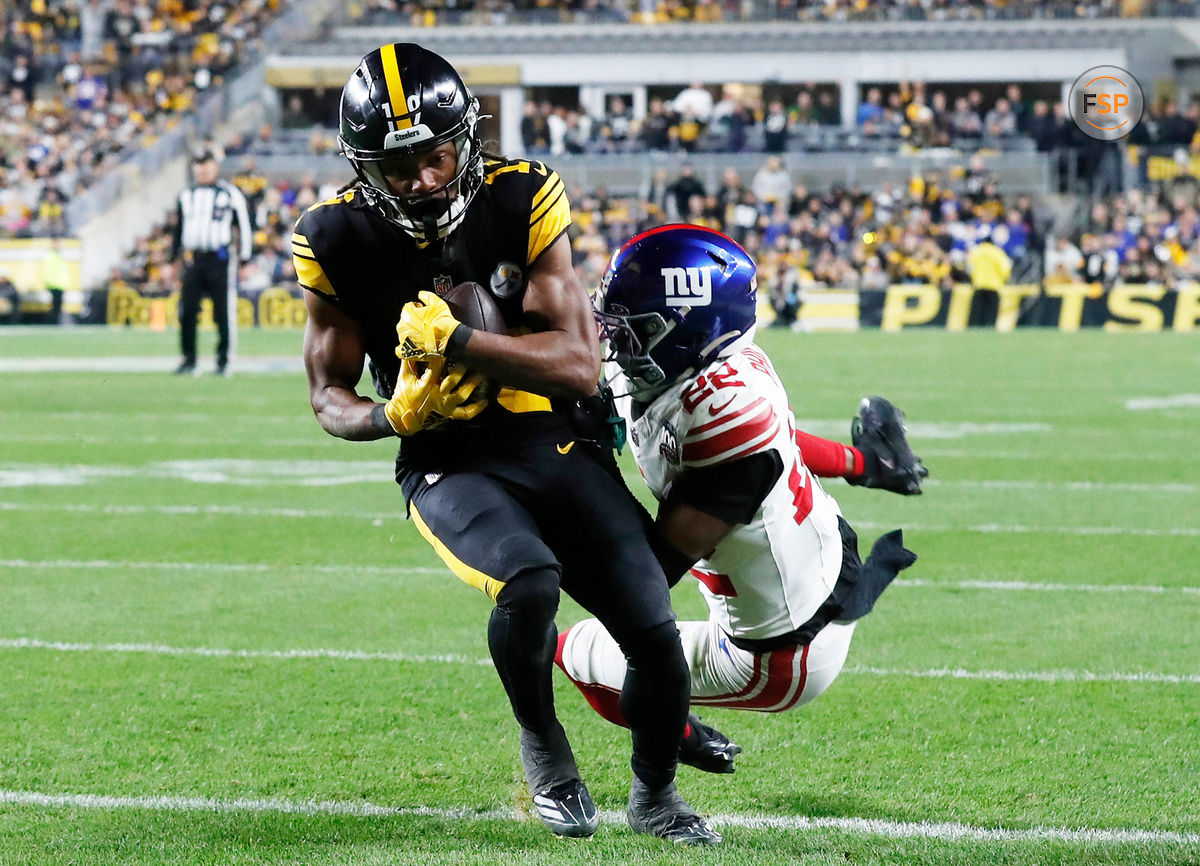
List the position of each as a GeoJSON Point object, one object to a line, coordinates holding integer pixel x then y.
{"type": "Point", "coordinates": [673, 300]}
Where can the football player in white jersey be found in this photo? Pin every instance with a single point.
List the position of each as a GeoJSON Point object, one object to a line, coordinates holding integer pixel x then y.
{"type": "Point", "coordinates": [739, 507]}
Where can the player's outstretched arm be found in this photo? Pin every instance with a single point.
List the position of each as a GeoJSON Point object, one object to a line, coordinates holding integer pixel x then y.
{"type": "Point", "coordinates": [828, 459]}
{"type": "Point", "coordinates": [561, 358]}
{"type": "Point", "coordinates": [880, 457]}
{"type": "Point", "coordinates": [333, 357]}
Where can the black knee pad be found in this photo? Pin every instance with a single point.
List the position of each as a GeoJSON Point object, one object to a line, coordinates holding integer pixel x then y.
{"type": "Point", "coordinates": [530, 595]}
{"type": "Point", "coordinates": [657, 648]}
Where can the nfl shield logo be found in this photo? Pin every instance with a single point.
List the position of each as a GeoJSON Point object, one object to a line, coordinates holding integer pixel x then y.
{"type": "Point", "coordinates": [442, 284]}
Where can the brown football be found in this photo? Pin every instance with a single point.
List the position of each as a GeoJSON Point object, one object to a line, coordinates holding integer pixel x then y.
{"type": "Point", "coordinates": [474, 306]}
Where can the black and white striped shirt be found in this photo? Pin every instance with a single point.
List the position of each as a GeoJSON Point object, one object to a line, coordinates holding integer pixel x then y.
{"type": "Point", "coordinates": [206, 215]}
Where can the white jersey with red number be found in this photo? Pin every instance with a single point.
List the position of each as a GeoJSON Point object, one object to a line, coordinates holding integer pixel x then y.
{"type": "Point", "coordinates": [770, 576]}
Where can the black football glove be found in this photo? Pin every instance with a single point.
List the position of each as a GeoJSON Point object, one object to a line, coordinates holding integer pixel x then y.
{"type": "Point", "coordinates": [888, 462]}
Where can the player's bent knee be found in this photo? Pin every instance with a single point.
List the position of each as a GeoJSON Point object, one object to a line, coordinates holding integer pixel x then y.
{"type": "Point", "coordinates": [533, 593]}
{"type": "Point", "coordinates": [657, 648]}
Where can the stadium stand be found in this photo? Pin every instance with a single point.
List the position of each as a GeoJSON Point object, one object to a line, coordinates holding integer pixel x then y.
{"type": "Point", "coordinates": [85, 84]}
{"type": "Point", "coordinates": [831, 175]}
{"type": "Point", "coordinates": [921, 231]}
{"type": "Point", "coordinates": [454, 12]}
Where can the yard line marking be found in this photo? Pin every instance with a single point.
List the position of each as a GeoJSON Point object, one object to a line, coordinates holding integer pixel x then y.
{"type": "Point", "coordinates": [410, 570]}
{"type": "Point", "coordinates": [380, 516]}
{"type": "Point", "coordinates": [1027, 586]}
{"type": "Point", "coordinates": [1083, 486]}
{"type": "Point", "coordinates": [221, 652]}
{"type": "Point", "coordinates": [126, 418]}
{"type": "Point", "coordinates": [153, 439]}
{"type": "Point", "coordinates": [1175, 401]}
{"type": "Point", "coordinates": [361, 655]}
{"type": "Point", "coordinates": [1057, 676]}
{"type": "Point", "coordinates": [233, 510]}
{"type": "Point", "coordinates": [998, 528]}
{"type": "Point", "coordinates": [365, 809]}
{"type": "Point", "coordinates": [257, 365]}
{"type": "Point", "coordinates": [985, 454]}
{"type": "Point", "coordinates": [221, 471]}
{"type": "Point", "coordinates": [254, 567]}
{"type": "Point", "coordinates": [924, 430]}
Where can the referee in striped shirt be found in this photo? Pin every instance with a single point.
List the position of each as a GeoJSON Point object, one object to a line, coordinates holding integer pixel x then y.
{"type": "Point", "coordinates": [204, 237]}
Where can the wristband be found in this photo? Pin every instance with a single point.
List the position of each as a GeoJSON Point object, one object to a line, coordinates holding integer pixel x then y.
{"type": "Point", "coordinates": [458, 341]}
{"type": "Point", "coordinates": [379, 420]}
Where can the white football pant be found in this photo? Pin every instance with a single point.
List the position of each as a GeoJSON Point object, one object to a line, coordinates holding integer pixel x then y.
{"type": "Point", "coordinates": [722, 674]}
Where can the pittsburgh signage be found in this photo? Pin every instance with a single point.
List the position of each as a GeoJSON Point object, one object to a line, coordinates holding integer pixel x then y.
{"type": "Point", "coordinates": [1066, 306]}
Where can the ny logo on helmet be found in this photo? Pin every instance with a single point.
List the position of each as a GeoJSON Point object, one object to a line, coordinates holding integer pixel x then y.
{"type": "Point", "coordinates": [688, 287]}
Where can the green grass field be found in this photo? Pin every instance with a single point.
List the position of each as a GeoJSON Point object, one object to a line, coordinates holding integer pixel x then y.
{"type": "Point", "coordinates": [220, 642]}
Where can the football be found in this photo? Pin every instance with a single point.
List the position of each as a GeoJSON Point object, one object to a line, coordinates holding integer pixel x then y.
{"type": "Point", "coordinates": [474, 306]}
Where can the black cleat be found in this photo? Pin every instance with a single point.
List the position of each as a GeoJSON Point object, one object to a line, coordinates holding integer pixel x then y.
{"type": "Point", "coordinates": [186, 368]}
{"type": "Point", "coordinates": [707, 749]}
{"type": "Point", "coordinates": [665, 814]}
{"type": "Point", "coordinates": [567, 809]}
{"type": "Point", "coordinates": [560, 799]}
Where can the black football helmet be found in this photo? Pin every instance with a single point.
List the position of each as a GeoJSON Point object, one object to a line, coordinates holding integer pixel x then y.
{"type": "Point", "coordinates": [400, 101]}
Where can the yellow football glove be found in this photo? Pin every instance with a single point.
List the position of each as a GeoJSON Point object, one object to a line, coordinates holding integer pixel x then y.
{"type": "Point", "coordinates": [425, 399]}
{"type": "Point", "coordinates": [457, 395]}
{"type": "Point", "coordinates": [416, 396]}
{"type": "Point", "coordinates": [425, 327]}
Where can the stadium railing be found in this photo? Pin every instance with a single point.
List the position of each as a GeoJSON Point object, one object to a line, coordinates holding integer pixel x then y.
{"type": "Point", "coordinates": [629, 173]}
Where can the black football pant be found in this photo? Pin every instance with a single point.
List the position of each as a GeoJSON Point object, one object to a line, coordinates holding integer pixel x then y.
{"type": "Point", "coordinates": [542, 519]}
{"type": "Point", "coordinates": [206, 276]}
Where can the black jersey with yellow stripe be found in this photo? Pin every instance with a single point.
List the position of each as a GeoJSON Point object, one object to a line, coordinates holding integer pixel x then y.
{"type": "Point", "coordinates": [352, 257]}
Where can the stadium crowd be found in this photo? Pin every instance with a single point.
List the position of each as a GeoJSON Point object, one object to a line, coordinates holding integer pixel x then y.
{"type": "Point", "coordinates": [430, 13]}
{"type": "Point", "coordinates": [83, 82]}
{"type": "Point", "coordinates": [936, 229]}
{"type": "Point", "coordinates": [736, 118]}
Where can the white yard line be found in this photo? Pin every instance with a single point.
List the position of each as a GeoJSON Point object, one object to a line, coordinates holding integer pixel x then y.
{"type": "Point", "coordinates": [379, 516]}
{"type": "Point", "coordinates": [1059, 676]}
{"type": "Point", "coordinates": [253, 567]}
{"type": "Point", "coordinates": [361, 655]}
{"type": "Point", "coordinates": [944, 831]}
{"type": "Point", "coordinates": [1070, 486]}
{"type": "Point", "coordinates": [220, 652]}
{"type": "Point", "coordinates": [437, 571]}
{"type": "Point", "coordinates": [153, 364]}
{"type": "Point", "coordinates": [1175, 401]}
{"type": "Point", "coordinates": [1018, 529]}
{"type": "Point", "coordinates": [1029, 586]}
{"type": "Point", "coordinates": [231, 510]}
{"type": "Point", "coordinates": [127, 438]}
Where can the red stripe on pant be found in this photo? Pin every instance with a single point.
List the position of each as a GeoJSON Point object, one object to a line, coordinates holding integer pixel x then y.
{"type": "Point", "coordinates": [778, 666]}
{"type": "Point", "coordinates": [605, 701]}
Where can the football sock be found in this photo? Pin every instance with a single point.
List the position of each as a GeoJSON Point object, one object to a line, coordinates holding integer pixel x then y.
{"type": "Point", "coordinates": [522, 639]}
{"type": "Point", "coordinates": [654, 699]}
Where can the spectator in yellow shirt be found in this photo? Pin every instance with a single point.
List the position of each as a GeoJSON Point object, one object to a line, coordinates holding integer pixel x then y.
{"type": "Point", "coordinates": [989, 266]}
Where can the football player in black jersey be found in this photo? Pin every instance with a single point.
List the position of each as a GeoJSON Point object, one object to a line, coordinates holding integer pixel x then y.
{"type": "Point", "coordinates": [517, 496]}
